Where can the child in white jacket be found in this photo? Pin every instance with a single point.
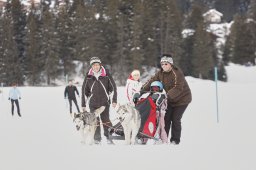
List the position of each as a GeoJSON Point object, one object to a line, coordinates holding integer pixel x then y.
{"type": "Point", "coordinates": [133, 85]}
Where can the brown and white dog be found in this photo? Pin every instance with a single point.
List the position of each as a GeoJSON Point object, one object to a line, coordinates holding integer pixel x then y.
{"type": "Point", "coordinates": [86, 123]}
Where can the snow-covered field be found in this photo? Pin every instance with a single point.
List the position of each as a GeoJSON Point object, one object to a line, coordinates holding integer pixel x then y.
{"type": "Point", "coordinates": [45, 137]}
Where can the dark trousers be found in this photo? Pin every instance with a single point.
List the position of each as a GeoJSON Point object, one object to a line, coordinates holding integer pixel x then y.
{"type": "Point", "coordinates": [172, 119]}
{"type": "Point", "coordinates": [104, 116]}
{"type": "Point", "coordinates": [70, 104]}
{"type": "Point", "coordinates": [17, 106]}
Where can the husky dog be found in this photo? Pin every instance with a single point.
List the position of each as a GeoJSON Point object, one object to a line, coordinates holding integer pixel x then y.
{"type": "Point", "coordinates": [130, 120]}
{"type": "Point", "coordinates": [86, 123]}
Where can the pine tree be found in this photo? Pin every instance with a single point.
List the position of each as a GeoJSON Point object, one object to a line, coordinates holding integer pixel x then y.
{"type": "Point", "coordinates": [228, 49]}
{"type": "Point", "coordinates": [136, 53]}
{"type": "Point", "coordinates": [252, 24]}
{"type": "Point", "coordinates": [33, 62]}
{"type": "Point", "coordinates": [66, 46]}
{"type": "Point", "coordinates": [50, 49]}
{"type": "Point", "coordinates": [222, 72]}
{"type": "Point", "coordinates": [150, 31]}
{"type": "Point", "coordinates": [244, 44]}
{"type": "Point", "coordinates": [12, 66]}
{"type": "Point", "coordinates": [19, 23]}
{"type": "Point", "coordinates": [171, 28]}
{"type": "Point", "coordinates": [193, 20]}
{"type": "Point", "coordinates": [2, 61]}
{"type": "Point", "coordinates": [252, 10]}
{"type": "Point", "coordinates": [228, 53]}
{"type": "Point", "coordinates": [80, 31]}
{"type": "Point", "coordinates": [186, 57]}
{"type": "Point", "coordinates": [184, 6]}
{"type": "Point", "coordinates": [195, 17]}
{"type": "Point", "coordinates": [97, 33]}
{"type": "Point", "coordinates": [202, 60]}
{"type": "Point", "coordinates": [120, 56]}
{"type": "Point", "coordinates": [79, 26]}
{"type": "Point", "coordinates": [111, 31]}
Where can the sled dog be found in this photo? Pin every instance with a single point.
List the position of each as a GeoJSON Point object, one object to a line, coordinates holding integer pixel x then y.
{"type": "Point", "coordinates": [86, 124]}
{"type": "Point", "coordinates": [130, 120]}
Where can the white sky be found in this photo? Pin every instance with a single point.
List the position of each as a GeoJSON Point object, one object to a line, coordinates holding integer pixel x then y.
{"type": "Point", "coordinates": [45, 137]}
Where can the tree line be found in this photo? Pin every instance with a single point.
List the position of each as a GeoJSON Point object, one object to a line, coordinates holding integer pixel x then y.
{"type": "Point", "coordinates": [42, 44]}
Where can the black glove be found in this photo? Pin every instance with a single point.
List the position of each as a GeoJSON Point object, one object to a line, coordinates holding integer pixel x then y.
{"type": "Point", "coordinates": [158, 98]}
{"type": "Point", "coordinates": [161, 98]}
{"type": "Point", "coordinates": [136, 97]}
{"type": "Point", "coordinates": [154, 97]}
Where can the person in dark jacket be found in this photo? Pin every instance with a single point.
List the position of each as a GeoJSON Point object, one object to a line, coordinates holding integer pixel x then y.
{"type": "Point", "coordinates": [97, 87]}
{"type": "Point", "coordinates": [70, 94]}
{"type": "Point", "coordinates": [178, 93]}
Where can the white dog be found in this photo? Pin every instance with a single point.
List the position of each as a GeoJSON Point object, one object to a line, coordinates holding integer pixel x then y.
{"type": "Point", "coordinates": [86, 123]}
{"type": "Point", "coordinates": [130, 120]}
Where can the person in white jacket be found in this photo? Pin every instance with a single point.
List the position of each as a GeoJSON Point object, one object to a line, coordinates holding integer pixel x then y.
{"type": "Point", "coordinates": [14, 95]}
{"type": "Point", "coordinates": [133, 85]}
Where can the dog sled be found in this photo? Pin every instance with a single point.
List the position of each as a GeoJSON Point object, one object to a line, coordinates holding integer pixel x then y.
{"type": "Point", "coordinates": [149, 127]}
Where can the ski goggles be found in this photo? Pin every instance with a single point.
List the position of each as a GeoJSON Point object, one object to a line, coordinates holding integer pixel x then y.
{"type": "Point", "coordinates": [155, 88]}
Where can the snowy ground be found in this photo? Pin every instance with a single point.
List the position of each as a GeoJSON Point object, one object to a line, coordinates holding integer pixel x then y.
{"type": "Point", "coordinates": [45, 137]}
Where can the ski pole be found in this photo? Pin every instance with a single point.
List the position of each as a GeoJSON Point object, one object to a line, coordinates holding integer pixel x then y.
{"type": "Point", "coordinates": [2, 91]}
{"type": "Point", "coordinates": [216, 87]}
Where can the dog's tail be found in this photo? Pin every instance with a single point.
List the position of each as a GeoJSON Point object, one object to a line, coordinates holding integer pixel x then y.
{"type": "Point", "coordinates": [98, 111]}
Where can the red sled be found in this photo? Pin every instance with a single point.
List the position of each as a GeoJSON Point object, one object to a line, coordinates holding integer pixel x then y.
{"type": "Point", "coordinates": [147, 110]}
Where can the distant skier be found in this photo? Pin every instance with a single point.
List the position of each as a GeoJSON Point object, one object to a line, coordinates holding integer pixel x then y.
{"type": "Point", "coordinates": [14, 95]}
{"type": "Point", "coordinates": [70, 94]}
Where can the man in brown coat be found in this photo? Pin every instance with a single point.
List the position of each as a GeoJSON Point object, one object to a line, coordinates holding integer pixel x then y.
{"type": "Point", "coordinates": [178, 92]}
